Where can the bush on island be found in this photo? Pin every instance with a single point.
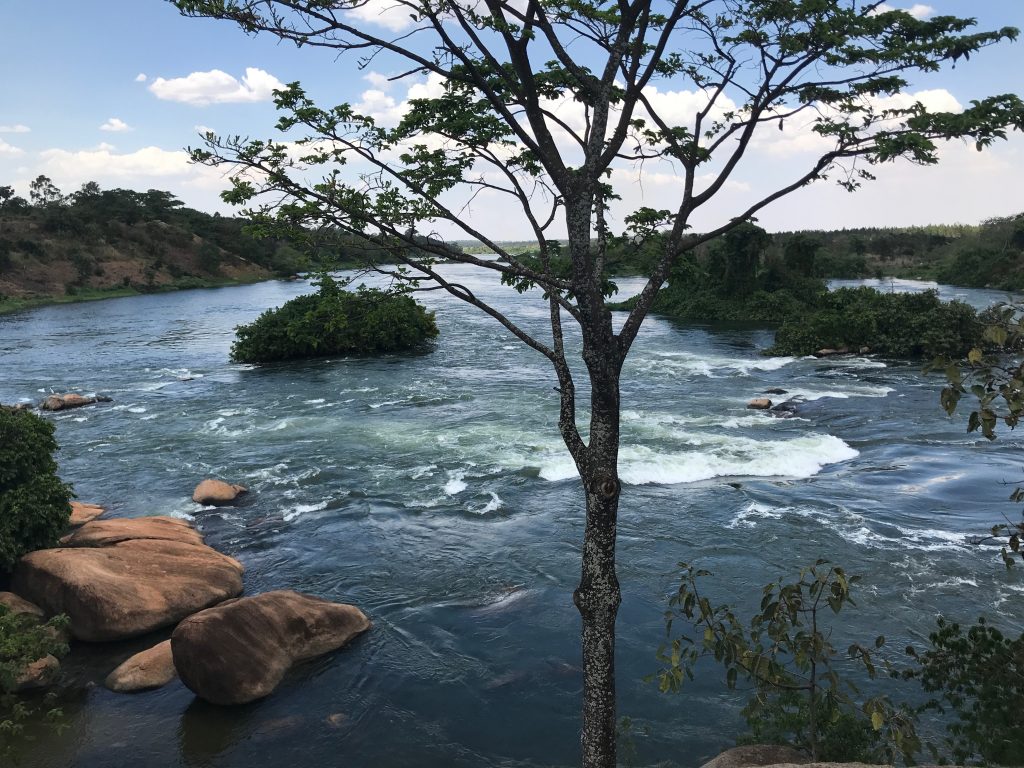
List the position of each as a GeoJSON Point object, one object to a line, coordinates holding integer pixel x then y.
{"type": "Point", "coordinates": [34, 504]}
{"type": "Point", "coordinates": [907, 325]}
{"type": "Point", "coordinates": [334, 322]}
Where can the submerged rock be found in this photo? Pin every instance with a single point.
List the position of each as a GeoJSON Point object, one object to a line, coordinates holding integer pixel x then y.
{"type": "Point", "coordinates": [217, 492]}
{"type": "Point", "coordinates": [239, 651]}
{"type": "Point", "coordinates": [152, 668]}
{"type": "Point", "coordinates": [775, 391]}
{"type": "Point", "coordinates": [117, 579]}
{"type": "Point", "coordinates": [41, 673]}
{"type": "Point", "coordinates": [70, 400]}
{"type": "Point", "coordinates": [760, 403]}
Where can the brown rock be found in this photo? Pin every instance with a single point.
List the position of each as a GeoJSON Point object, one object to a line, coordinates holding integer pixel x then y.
{"type": "Point", "coordinates": [103, 533]}
{"type": "Point", "coordinates": [114, 586]}
{"type": "Point", "coordinates": [70, 400]}
{"type": "Point", "coordinates": [826, 352]}
{"type": "Point", "coordinates": [239, 651]}
{"type": "Point", "coordinates": [152, 668]}
{"type": "Point", "coordinates": [19, 606]}
{"type": "Point", "coordinates": [216, 492]}
{"type": "Point", "coordinates": [82, 513]}
{"type": "Point", "coordinates": [757, 755]}
{"type": "Point", "coordinates": [39, 674]}
{"type": "Point", "coordinates": [760, 403]}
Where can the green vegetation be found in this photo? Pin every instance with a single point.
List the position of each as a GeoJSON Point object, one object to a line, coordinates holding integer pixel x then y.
{"type": "Point", "coordinates": [739, 277]}
{"type": "Point", "coordinates": [979, 677]}
{"type": "Point", "coordinates": [96, 243]}
{"type": "Point", "coordinates": [34, 503]}
{"type": "Point", "coordinates": [334, 322]}
{"type": "Point", "coordinates": [907, 325]}
{"type": "Point", "coordinates": [785, 650]}
{"type": "Point", "coordinates": [23, 640]}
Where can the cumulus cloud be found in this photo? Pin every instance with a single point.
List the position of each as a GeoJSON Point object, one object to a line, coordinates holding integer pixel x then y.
{"type": "Point", "coordinates": [9, 150]}
{"type": "Point", "coordinates": [141, 77]}
{"type": "Point", "coordinates": [917, 10]}
{"type": "Point", "coordinates": [203, 129]}
{"type": "Point", "coordinates": [390, 14]}
{"type": "Point", "coordinates": [115, 125]}
{"type": "Point", "coordinates": [217, 87]}
{"type": "Point", "coordinates": [377, 80]}
{"type": "Point", "coordinates": [16, 128]}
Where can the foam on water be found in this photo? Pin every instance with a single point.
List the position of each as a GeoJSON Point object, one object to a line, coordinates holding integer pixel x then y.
{"type": "Point", "coordinates": [300, 509]}
{"type": "Point", "coordinates": [456, 484]}
{"type": "Point", "coordinates": [843, 393]}
{"type": "Point", "coordinates": [711, 366]}
{"type": "Point", "coordinates": [493, 505]}
{"type": "Point", "coordinates": [717, 456]}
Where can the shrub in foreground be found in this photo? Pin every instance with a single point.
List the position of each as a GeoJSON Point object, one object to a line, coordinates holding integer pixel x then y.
{"type": "Point", "coordinates": [34, 503]}
{"type": "Point", "coordinates": [334, 322]}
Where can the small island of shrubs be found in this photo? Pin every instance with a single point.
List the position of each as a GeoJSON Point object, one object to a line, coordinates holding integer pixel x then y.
{"type": "Point", "coordinates": [334, 321]}
{"type": "Point", "coordinates": [737, 278]}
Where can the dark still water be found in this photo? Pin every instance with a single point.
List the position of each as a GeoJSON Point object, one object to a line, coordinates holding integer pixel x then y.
{"type": "Point", "coordinates": [433, 492]}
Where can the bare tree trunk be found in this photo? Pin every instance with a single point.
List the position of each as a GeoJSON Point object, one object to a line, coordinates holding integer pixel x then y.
{"type": "Point", "coordinates": [597, 599]}
{"type": "Point", "coordinates": [598, 596]}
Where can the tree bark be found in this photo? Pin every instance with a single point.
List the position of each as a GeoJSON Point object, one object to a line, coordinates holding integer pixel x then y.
{"type": "Point", "coordinates": [598, 595]}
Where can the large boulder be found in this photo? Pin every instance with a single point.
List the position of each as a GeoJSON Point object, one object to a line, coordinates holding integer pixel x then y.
{"type": "Point", "coordinates": [216, 492]}
{"type": "Point", "coordinates": [753, 755]}
{"type": "Point", "coordinates": [70, 400]}
{"type": "Point", "coordinates": [760, 403]}
{"type": "Point", "coordinates": [82, 513]}
{"type": "Point", "coordinates": [152, 668]}
{"type": "Point", "coordinates": [239, 651]}
{"type": "Point", "coordinates": [121, 578]}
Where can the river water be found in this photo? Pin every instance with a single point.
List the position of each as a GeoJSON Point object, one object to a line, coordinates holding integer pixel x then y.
{"type": "Point", "coordinates": [432, 490]}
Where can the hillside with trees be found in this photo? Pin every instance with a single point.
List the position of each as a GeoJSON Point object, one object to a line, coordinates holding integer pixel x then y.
{"type": "Point", "coordinates": [96, 243]}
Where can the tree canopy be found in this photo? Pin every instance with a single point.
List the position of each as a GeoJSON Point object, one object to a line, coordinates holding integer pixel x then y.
{"type": "Point", "coordinates": [538, 103]}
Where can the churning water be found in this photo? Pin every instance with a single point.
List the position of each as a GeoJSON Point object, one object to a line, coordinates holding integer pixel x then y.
{"type": "Point", "coordinates": [433, 491]}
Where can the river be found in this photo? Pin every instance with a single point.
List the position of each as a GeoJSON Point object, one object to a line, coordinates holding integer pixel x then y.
{"type": "Point", "coordinates": [433, 491]}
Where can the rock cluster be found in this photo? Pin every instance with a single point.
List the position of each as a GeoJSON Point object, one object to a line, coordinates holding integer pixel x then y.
{"type": "Point", "coordinates": [121, 578]}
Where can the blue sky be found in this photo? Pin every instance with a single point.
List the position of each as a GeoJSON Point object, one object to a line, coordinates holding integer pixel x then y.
{"type": "Point", "coordinates": [113, 91]}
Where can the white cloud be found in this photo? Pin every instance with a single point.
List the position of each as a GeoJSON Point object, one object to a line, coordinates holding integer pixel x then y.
{"type": "Point", "coordinates": [217, 87]}
{"type": "Point", "coordinates": [9, 150]}
{"type": "Point", "coordinates": [917, 10]}
{"type": "Point", "coordinates": [203, 129]}
{"type": "Point", "coordinates": [143, 168]}
{"type": "Point", "coordinates": [387, 111]}
{"type": "Point", "coordinates": [141, 77]}
{"type": "Point", "coordinates": [16, 128]}
{"type": "Point", "coordinates": [377, 80]}
{"type": "Point", "coordinates": [115, 125]}
{"type": "Point", "coordinates": [392, 14]}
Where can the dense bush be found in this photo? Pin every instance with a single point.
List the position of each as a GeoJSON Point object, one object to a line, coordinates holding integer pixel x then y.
{"type": "Point", "coordinates": [34, 508]}
{"type": "Point", "coordinates": [892, 324]}
{"type": "Point", "coordinates": [334, 322]}
{"type": "Point", "coordinates": [978, 676]}
{"type": "Point", "coordinates": [23, 640]}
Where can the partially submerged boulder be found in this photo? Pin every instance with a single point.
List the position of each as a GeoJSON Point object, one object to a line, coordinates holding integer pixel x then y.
{"type": "Point", "coordinates": [82, 513]}
{"type": "Point", "coordinates": [217, 492]}
{"type": "Point", "coordinates": [239, 651]}
{"type": "Point", "coordinates": [18, 606]}
{"type": "Point", "coordinates": [117, 579]}
{"type": "Point", "coordinates": [70, 400]}
{"type": "Point", "coordinates": [760, 404]}
{"type": "Point", "coordinates": [152, 668]}
{"type": "Point", "coordinates": [41, 673]}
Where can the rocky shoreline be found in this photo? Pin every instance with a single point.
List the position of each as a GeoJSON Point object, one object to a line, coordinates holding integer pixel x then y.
{"type": "Point", "coordinates": [121, 578]}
